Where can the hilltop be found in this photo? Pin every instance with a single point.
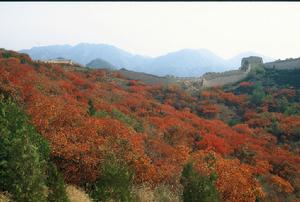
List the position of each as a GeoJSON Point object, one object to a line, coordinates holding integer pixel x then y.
{"type": "Point", "coordinates": [100, 63]}
{"type": "Point", "coordinates": [63, 124]}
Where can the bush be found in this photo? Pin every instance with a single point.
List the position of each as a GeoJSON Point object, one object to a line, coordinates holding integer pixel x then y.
{"type": "Point", "coordinates": [91, 108]}
{"type": "Point", "coordinates": [6, 55]}
{"type": "Point", "coordinates": [24, 158]}
{"type": "Point", "coordinates": [128, 120]}
{"type": "Point", "coordinates": [114, 183]}
{"type": "Point", "coordinates": [23, 61]}
{"type": "Point", "coordinates": [23, 165]}
{"type": "Point", "coordinates": [198, 187]}
{"type": "Point", "coordinates": [257, 96]}
{"type": "Point", "coordinates": [101, 114]}
{"type": "Point", "coordinates": [232, 122]}
{"type": "Point", "coordinates": [116, 114]}
{"type": "Point", "coordinates": [56, 186]}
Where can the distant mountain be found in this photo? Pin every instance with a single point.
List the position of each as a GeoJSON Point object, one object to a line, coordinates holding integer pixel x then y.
{"type": "Point", "coordinates": [184, 63]}
{"type": "Point", "coordinates": [235, 61]}
{"type": "Point", "coordinates": [83, 53]}
{"type": "Point", "coordinates": [99, 63]}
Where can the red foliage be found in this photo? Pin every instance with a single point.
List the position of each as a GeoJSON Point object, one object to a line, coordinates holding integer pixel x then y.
{"type": "Point", "coordinates": [57, 101]}
{"type": "Point", "coordinates": [245, 84]}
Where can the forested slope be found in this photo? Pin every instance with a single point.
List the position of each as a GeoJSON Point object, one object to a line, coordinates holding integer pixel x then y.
{"type": "Point", "coordinates": [121, 139]}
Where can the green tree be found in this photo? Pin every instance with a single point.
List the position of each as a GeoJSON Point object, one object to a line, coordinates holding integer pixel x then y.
{"type": "Point", "coordinates": [24, 158]}
{"type": "Point", "coordinates": [6, 55]}
{"type": "Point", "coordinates": [56, 186]}
{"type": "Point", "coordinates": [257, 96]}
{"type": "Point", "coordinates": [197, 187]}
{"type": "Point", "coordinates": [115, 182]}
{"type": "Point", "coordinates": [91, 108]}
{"type": "Point", "coordinates": [22, 164]}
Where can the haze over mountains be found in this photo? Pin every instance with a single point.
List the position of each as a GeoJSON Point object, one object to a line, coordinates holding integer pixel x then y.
{"type": "Point", "coordinates": [184, 63]}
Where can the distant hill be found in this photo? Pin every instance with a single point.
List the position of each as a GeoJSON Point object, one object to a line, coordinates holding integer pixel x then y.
{"type": "Point", "coordinates": [83, 53]}
{"type": "Point", "coordinates": [186, 62]}
{"type": "Point", "coordinates": [99, 63]}
{"type": "Point", "coordinates": [183, 63]}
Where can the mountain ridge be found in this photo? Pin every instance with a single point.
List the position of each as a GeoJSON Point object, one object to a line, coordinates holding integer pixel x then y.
{"type": "Point", "coordinates": [183, 62]}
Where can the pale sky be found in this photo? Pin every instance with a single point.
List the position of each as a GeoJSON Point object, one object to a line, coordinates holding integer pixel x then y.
{"type": "Point", "coordinates": [155, 28]}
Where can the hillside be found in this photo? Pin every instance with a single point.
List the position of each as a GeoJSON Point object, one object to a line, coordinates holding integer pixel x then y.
{"type": "Point", "coordinates": [123, 140]}
{"type": "Point", "coordinates": [181, 63]}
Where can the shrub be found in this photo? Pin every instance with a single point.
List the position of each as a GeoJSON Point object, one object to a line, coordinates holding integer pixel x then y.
{"type": "Point", "coordinates": [102, 114]}
{"type": "Point", "coordinates": [91, 108]}
{"type": "Point", "coordinates": [6, 55]}
{"type": "Point", "coordinates": [114, 183]}
{"type": "Point", "coordinates": [23, 165]}
{"type": "Point", "coordinates": [197, 187]}
{"type": "Point", "coordinates": [56, 186]}
{"type": "Point", "coordinates": [257, 96]}
{"type": "Point", "coordinates": [24, 158]}
{"type": "Point", "coordinates": [128, 120]}
{"type": "Point", "coordinates": [23, 61]}
{"type": "Point", "coordinates": [116, 114]}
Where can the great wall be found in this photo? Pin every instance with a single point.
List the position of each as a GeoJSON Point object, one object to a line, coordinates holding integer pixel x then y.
{"type": "Point", "coordinates": [287, 64]}
{"type": "Point", "coordinates": [220, 79]}
{"type": "Point", "coordinates": [233, 76]}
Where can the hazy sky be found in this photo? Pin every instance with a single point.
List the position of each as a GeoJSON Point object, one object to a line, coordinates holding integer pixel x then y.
{"type": "Point", "coordinates": [155, 28]}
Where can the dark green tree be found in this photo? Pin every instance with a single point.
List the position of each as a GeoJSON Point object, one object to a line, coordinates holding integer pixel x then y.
{"type": "Point", "coordinates": [91, 108]}
{"type": "Point", "coordinates": [24, 158]}
{"type": "Point", "coordinates": [257, 96]}
{"type": "Point", "coordinates": [22, 164]}
{"type": "Point", "coordinates": [56, 186]}
{"type": "Point", "coordinates": [115, 182]}
{"type": "Point", "coordinates": [197, 187]}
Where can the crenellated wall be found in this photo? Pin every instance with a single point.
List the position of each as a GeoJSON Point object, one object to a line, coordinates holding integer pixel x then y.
{"type": "Point", "coordinates": [284, 64]}
{"type": "Point", "coordinates": [221, 80]}
{"type": "Point", "coordinates": [228, 77]}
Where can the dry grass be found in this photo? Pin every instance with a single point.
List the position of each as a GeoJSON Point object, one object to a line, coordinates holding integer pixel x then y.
{"type": "Point", "coordinates": [143, 194]}
{"type": "Point", "coordinates": [4, 197]}
{"type": "Point", "coordinates": [77, 195]}
{"type": "Point", "coordinates": [161, 193]}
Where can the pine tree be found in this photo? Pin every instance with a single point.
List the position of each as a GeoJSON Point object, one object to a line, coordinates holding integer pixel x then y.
{"type": "Point", "coordinates": [196, 187]}
{"type": "Point", "coordinates": [91, 108]}
{"type": "Point", "coordinates": [55, 182]}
